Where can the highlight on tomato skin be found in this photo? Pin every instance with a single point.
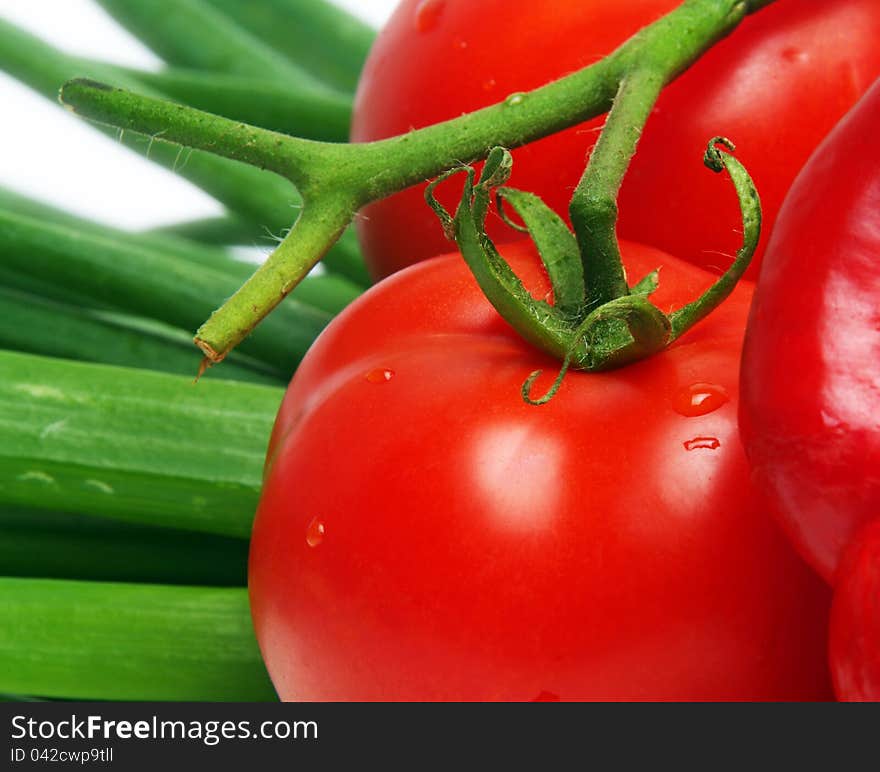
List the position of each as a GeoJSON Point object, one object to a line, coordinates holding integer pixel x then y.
{"type": "Point", "coordinates": [776, 88]}
{"type": "Point", "coordinates": [426, 535]}
{"type": "Point", "coordinates": [854, 647]}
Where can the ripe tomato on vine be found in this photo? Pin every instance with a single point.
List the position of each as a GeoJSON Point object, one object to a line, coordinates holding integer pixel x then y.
{"type": "Point", "coordinates": [424, 534]}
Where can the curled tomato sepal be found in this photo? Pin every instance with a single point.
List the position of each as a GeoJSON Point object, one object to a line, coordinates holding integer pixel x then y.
{"type": "Point", "coordinates": [584, 334]}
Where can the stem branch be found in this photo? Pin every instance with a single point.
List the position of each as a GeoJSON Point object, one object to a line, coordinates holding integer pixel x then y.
{"type": "Point", "coordinates": [297, 254]}
{"type": "Point", "coordinates": [336, 180]}
{"type": "Point", "coordinates": [594, 203]}
{"type": "Point", "coordinates": [182, 125]}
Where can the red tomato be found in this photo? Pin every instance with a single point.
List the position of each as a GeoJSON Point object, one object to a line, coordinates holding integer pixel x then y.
{"type": "Point", "coordinates": [811, 367]}
{"type": "Point", "coordinates": [424, 534]}
{"type": "Point", "coordinates": [855, 620]}
{"type": "Point", "coordinates": [776, 87]}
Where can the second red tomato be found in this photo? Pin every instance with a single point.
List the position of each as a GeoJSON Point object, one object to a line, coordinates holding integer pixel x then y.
{"type": "Point", "coordinates": [775, 87]}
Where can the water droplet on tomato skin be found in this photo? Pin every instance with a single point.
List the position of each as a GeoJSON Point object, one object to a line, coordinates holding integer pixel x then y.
{"type": "Point", "coordinates": [489, 84]}
{"type": "Point", "coordinates": [794, 55]}
{"type": "Point", "coordinates": [315, 532]}
{"type": "Point", "coordinates": [428, 14]}
{"type": "Point", "coordinates": [700, 399]}
{"type": "Point", "coordinates": [702, 443]}
{"type": "Point", "coordinates": [379, 375]}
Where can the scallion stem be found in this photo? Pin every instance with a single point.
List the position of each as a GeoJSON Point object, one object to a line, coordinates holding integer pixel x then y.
{"type": "Point", "coordinates": [61, 545]}
{"type": "Point", "coordinates": [104, 641]}
{"type": "Point", "coordinates": [192, 33]}
{"type": "Point", "coordinates": [258, 197]}
{"type": "Point", "coordinates": [319, 35]}
{"type": "Point", "coordinates": [132, 444]}
{"type": "Point", "coordinates": [306, 111]}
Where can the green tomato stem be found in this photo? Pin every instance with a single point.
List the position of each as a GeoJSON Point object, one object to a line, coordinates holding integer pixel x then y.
{"type": "Point", "coordinates": [265, 202]}
{"type": "Point", "coordinates": [593, 206]}
{"type": "Point", "coordinates": [556, 245]}
{"type": "Point", "coordinates": [274, 280]}
{"type": "Point", "coordinates": [336, 180]}
{"type": "Point", "coordinates": [331, 293]}
{"type": "Point", "coordinates": [305, 111]}
{"type": "Point", "coordinates": [181, 125]}
{"type": "Point", "coordinates": [258, 197]}
{"type": "Point", "coordinates": [119, 275]}
{"type": "Point", "coordinates": [617, 331]}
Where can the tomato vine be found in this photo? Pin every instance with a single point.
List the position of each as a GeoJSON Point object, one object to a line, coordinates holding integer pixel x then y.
{"type": "Point", "coordinates": [336, 180]}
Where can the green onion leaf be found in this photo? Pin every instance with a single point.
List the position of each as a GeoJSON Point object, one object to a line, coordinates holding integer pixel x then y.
{"type": "Point", "coordinates": [132, 444]}
{"type": "Point", "coordinates": [103, 641]}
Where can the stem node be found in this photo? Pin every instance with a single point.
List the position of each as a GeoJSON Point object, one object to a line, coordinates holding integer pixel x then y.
{"type": "Point", "coordinates": [627, 82]}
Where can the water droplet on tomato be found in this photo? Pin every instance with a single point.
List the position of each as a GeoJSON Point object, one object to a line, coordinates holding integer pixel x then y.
{"type": "Point", "coordinates": [703, 443]}
{"type": "Point", "coordinates": [379, 375]}
{"type": "Point", "coordinates": [428, 14]}
{"type": "Point", "coordinates": [460, 43]}
{"type": "Point", "coordinates": [515, 99]}
{"type": "Point", "coordinates": [700, 399]}
{"type": "Point", "coordinates": [489, 84]}
{"type": "Point", "coordinates": [315, 532]}
{"type": "Point", "coordinates": [794, 55]}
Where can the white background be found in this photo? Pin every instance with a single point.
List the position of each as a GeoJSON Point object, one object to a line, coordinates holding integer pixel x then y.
{"type": "Point", "coordinates": [49, 154]}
